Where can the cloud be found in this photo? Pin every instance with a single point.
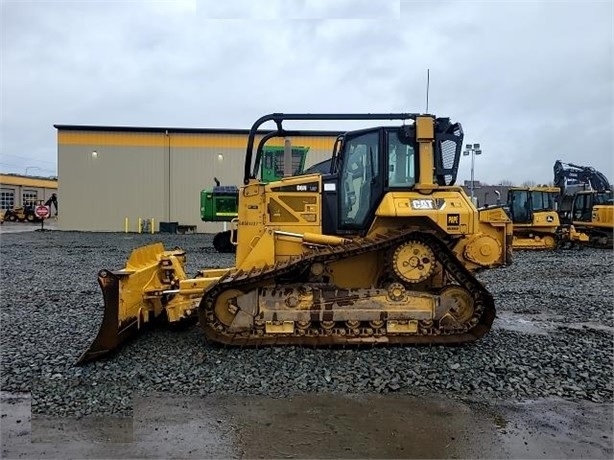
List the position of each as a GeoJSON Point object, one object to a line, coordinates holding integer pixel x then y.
{"type": "Point", "coordinates": [530, 81]}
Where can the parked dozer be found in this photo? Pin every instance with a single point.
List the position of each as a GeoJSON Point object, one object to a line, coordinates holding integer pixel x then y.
{"type": "Point", "coordinates": [381, 249]}
{"type": "Point", "coordinates": [533, 211]}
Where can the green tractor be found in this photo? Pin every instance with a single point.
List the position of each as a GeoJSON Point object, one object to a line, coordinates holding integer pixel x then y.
{"type": "Point", "coordinates": [219, 204]}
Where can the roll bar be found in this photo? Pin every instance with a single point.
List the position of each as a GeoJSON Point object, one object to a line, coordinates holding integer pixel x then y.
{"type": "Point", "coordinates": [278, 118]}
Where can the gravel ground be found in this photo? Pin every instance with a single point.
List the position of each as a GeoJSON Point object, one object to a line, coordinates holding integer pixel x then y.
{"type": "Point", "coordinates": [554, 336]}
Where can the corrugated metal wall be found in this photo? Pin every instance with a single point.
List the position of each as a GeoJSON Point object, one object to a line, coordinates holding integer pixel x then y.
{"type": "Point", "coordinates": [106, 177]}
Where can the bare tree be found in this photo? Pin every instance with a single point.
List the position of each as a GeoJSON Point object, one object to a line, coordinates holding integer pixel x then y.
{"type": "Point", "coordinates": [529, 183]}
{"type": "Point", "coordinates": [506, 183]}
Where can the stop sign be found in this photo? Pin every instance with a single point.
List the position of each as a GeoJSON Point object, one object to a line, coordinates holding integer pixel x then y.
{"type": "Point", "coordinates": [42, 212]}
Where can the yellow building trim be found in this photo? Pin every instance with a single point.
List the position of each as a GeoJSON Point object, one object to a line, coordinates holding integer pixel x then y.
{"type": "Point", "coordinates": [27, 181]}
{"type": "Point", "coordinates": [179, 140]}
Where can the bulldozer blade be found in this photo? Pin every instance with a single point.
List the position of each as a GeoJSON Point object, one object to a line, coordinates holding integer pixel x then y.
{"type": "Point", "coordinates": [122, 291]}
{"type": "Point", "coordinates": [112, 333]}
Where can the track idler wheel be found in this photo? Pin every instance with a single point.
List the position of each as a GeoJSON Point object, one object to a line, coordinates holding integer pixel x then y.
{"type": "Point", "coordinates": [225, 306]}
{"type": "Point", "coordinates": [463, 309]}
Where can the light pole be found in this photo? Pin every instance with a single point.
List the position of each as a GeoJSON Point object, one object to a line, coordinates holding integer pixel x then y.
{"type": "Point", "coordinates": [473, 150]}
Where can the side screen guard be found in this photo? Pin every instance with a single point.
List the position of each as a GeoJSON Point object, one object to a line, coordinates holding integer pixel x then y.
{"type": "Point", "coordinates": [448, 146]}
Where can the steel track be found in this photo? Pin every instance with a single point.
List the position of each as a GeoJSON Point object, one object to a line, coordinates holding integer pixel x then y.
{"type": "Point", "coordinates": [475, 328]}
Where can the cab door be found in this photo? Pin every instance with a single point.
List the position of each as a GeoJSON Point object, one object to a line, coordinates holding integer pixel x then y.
{"type": "Point", "coordinates": [520, 206]}
{"type": "Point", "coordinates": [361, 183]}
{"type": "Point", "coordinates": [582, 207]}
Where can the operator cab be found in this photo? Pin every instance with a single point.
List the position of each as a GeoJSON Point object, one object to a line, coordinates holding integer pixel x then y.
{"type": "Point", "coordinates": [582, 210]}
{"type": "Point", "coordinates": [370, 162]}
{"type": "Point", "coordinates": [523, 203]}
{"type": "Point", "coordinates": [366, 164]}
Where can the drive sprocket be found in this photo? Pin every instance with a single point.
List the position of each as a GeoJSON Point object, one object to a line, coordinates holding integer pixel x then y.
{"type": "Point", "coordinates": [413, 261]}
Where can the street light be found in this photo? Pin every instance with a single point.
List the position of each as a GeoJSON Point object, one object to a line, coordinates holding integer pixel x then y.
{"type": "Point", "coordinates": [473, 150]}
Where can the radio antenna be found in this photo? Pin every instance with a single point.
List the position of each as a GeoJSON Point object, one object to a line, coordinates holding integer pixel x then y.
{"type": "Point", "coordinates": [428, 71]}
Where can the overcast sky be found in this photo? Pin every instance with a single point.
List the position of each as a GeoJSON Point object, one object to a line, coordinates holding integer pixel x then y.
{"type": "Point", "coordinates": [531, 81]}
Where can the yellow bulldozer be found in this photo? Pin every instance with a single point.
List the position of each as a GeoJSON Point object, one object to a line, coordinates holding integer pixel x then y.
{"type": "Point", "coordinates": [537, 225]}
{"type": "Point", "coordinates": [378, 247]}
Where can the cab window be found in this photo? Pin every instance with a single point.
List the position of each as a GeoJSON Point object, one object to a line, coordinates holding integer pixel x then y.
{"type": "Point", "coordinates": [542, 201]}
{"type": "Point", "coordinates": [359, 175]}
{"type": "Point", "coordinates": [401, 162]}
{"type": "Point", "coordinates": [520, 207]}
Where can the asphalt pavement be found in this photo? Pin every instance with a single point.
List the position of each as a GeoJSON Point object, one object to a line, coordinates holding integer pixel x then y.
{"type": "Point", "coordinates": [20, 227]}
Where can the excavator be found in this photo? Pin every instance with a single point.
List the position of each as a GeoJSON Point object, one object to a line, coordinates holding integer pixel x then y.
{"type": "Point", "coordinates": [378, 247]}
{"type": "Point", "coordinates": [533, 211]}
{"type": "Point", "coordinates": [586, 202]}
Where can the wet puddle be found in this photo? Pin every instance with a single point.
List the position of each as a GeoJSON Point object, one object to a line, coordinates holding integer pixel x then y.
{"type": "Point", "coordinates": [590, 326]}
{"type": "Point", "coordinates": [316, 426]}
{"type": "Point", "coordinates": [536, 324]}
{"type": "Point", "coordinates": [543, 323]}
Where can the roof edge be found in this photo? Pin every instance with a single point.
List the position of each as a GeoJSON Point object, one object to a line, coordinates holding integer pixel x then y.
{"type": "Point", "coordinates": [141, 129]}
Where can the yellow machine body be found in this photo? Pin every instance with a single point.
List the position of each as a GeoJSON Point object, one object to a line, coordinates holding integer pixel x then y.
{"type": "Point", "coordinates": [603, 216]}
{"type": "Point", "coordinates": [266, 217]}
{"type": "Point", "coordinates": [406, 278]}
{"type": "Point", "coordinates": [536, 221]}
{"type": "Point", "coordinates": [593, 215]}
{"type": "Point", "coordinates": [539, 234]}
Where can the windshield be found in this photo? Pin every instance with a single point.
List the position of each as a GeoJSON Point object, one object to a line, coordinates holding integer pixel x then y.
{"type": "Point", "coordinates": [543, 201]}
{"type": "Point", "coordinates": [603, 198]}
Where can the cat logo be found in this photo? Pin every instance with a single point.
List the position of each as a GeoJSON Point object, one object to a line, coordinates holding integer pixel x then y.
{"type": "Point", "coordinates": [423, 204]}
{"type": "Point", "coordinates": [453, 220]}
{"type": "Point", "coordinates": [549, 219]}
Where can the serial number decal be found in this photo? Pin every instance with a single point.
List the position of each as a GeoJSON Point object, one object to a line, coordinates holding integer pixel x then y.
{"type": "Point", "coordinates": [423, 204]}
{"type": "Point", "coordinates": [308, 187]}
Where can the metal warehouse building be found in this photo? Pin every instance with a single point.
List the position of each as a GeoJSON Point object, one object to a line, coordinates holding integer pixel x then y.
{"type": "Point", "coordinates": [17, 191]}
{"type": "Point", "coordinates": [112, 176]}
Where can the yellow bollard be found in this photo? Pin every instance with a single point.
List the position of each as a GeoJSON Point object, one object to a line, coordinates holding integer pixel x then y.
{"type": "Point", "coordinates": [126, 225]}
{"type": "Point", "coordinates": [152, 226]}
{"type": "Point", "coordinates": [140, 225]}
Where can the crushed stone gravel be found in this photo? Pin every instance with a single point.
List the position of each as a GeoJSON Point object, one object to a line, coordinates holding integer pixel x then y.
{"type": "Point", "coordinates": [553, 335]}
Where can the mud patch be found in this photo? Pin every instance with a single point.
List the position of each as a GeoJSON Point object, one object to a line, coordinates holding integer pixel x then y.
{"type": "Point", "coordinates": [89, 429]}
{"type": "Point", "coordinates": [553, 428]}
{"type": "Point", "coordinates": [317, 426]}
